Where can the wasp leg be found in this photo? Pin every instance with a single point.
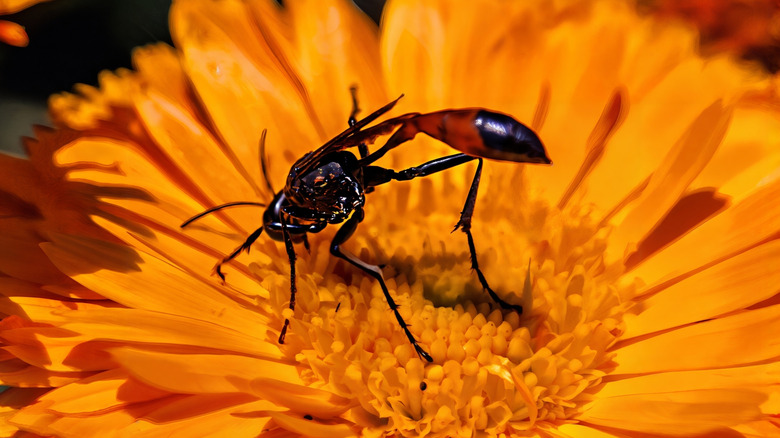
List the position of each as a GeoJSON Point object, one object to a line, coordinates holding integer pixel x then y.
{"type": "Point", "coordinates": [341, 236]}
{"type": "Point", "coordinates": [465, 225]}
{"type": "Point", "coordinates": [355, 108]}
{"type": "Point", "coordinates": [375, 175]}
{"type": "Point", "coordinates": [288, 244]}
{"type": "Point", "coordinates": [362, 148]}
{"type": "Point", "coordinates": [244, 246]}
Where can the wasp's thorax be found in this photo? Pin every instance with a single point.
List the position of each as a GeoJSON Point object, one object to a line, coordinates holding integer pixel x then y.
{"type": "Point", "coordinates": [330, 191]}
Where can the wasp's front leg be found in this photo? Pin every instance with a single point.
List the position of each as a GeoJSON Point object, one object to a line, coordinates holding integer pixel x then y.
{"type": "Point", "coordinates": [244, 246]}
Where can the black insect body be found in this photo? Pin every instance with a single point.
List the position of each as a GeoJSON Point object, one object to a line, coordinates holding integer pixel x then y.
{"type": "Point", "coordinates": [329, 184]}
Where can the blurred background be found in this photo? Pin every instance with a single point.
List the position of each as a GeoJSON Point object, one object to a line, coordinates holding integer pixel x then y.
{"type": "Point", "coordinates": [72, 40]}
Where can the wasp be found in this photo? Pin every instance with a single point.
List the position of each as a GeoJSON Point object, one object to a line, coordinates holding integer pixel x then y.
{"type": "Point", "coordinates": [327, 186]}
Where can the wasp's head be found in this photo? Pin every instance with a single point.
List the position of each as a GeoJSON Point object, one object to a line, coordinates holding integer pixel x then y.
{"type": "Point", "coordinates": [330, 190]}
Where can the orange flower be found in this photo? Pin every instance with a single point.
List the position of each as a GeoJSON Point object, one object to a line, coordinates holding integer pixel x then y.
{"type": "Point", "coordinates": [645, 259]}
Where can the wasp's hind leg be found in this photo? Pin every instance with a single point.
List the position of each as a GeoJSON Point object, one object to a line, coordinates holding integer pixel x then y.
{"type": "Point", "coordinates": [465, 225]}
{"type": "Point", "coordinates": [341, 236]}
{"type": "Point", "coordinates": [375, 176]}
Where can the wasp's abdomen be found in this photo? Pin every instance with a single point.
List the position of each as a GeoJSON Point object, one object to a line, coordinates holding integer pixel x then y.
{"type": "Point", "coordinates": [482, 133]}
{"type": "Point", "coordinates": [504, 138]}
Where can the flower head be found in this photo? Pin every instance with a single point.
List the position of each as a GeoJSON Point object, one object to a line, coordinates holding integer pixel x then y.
{"type": "Point", "coordinates": [644, 259]}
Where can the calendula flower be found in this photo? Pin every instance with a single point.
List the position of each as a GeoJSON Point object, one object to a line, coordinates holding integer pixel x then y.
{"type": "Point", "coordinates": [645, 259]}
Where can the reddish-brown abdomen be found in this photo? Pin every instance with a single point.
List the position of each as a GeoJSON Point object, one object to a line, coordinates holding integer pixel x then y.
{"type": "Point", "coordinates": [483, 133]}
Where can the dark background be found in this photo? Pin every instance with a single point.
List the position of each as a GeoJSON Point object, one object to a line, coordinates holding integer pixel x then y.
{"type": "Point", "coordinates": [71, 42]}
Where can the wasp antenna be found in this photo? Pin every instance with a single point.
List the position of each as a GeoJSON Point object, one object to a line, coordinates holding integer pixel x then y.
{"type": "Point", "coordinates": [217, 208]}
{"type": "Point", "coordinates": [264, 160]}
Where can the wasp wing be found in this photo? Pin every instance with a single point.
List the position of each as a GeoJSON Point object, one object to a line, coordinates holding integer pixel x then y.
{"type": "Point", "coordinates": [342, 140]}
{"type": "Point", "coordinates": [369, 135]}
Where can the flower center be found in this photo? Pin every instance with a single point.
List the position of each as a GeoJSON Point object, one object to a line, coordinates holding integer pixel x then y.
{"type": "Point", "coordinates": [542, 365]}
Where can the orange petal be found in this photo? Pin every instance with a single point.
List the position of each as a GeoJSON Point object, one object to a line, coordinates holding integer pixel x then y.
{"type": "Point", "coordinates": [667, 183]}
{"type": "Point", "coordinates": [760, 429]}
{"type": "Point", "coordinates": [161, 70]}
{"type": "Point", "coordinates": [94, 160]}
{"type": "Point", "coordinates": [676, 413]}
{"type": "Point", "coordinates": [761, 379]}
{"type": "Point", "coordinates": [35, 377]}
{"type": "Point", "coordinates": [13, 399]}
{"type": "Point", "coordinates": [430, 55]}
{"type": "Point", "coordinates": [41, 422]}
{"type": "Point", "coordinates": [734, 284]}
{"type": "Point", "coordinates": [722, 342]}
{"type": "Point", "coordinates": [201, 373]}
{"type": "Point", "coordinates": [190, 415]}
{"type": "Point", "coordinates": [134, 325]}
{"type": "Point", "coordinates": [229, 64]}
{"type": "Point", "coordinates": [192, 251]}
{"type": "Point", "coordinates": [754, 219]}
{"type": "Point", "coordinates": [189, 144]}
{"type": "Point", "coordinates": [13, 34]}
{"type": "Point", "coordinates": [15, 288]}
{"type": "Point", "coordinates": [109, 162]}
{"type": "Point", "coordinates": [748, 154]}
{"type": "Point", "coordinates": [139, 280]}
{"type": "Point", "coordinates": [57, 350]}
{"type": "Point", "coordinates": [583, 431]}
{"type": "Point", "coordinates": [691, 210]}
{"type": "Point", "coordinates": [12, 6]}
{"type": "Point", "coordinates": [46, 310]}
{"type": "Point", "coordinates": [100, 392]}
{"type": "Point", "coordinates": [321, 403]}
{"type": "Point", "coordinates": [645, 139]}
{"type": "Point", "coordinates": [300, 425]}
{"type": "Point", "coordinates": [610, 120]}
{"type": "Point", "coordinates": [233, 415]}
{"type": "Point", "coordinates": [332, 46]}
